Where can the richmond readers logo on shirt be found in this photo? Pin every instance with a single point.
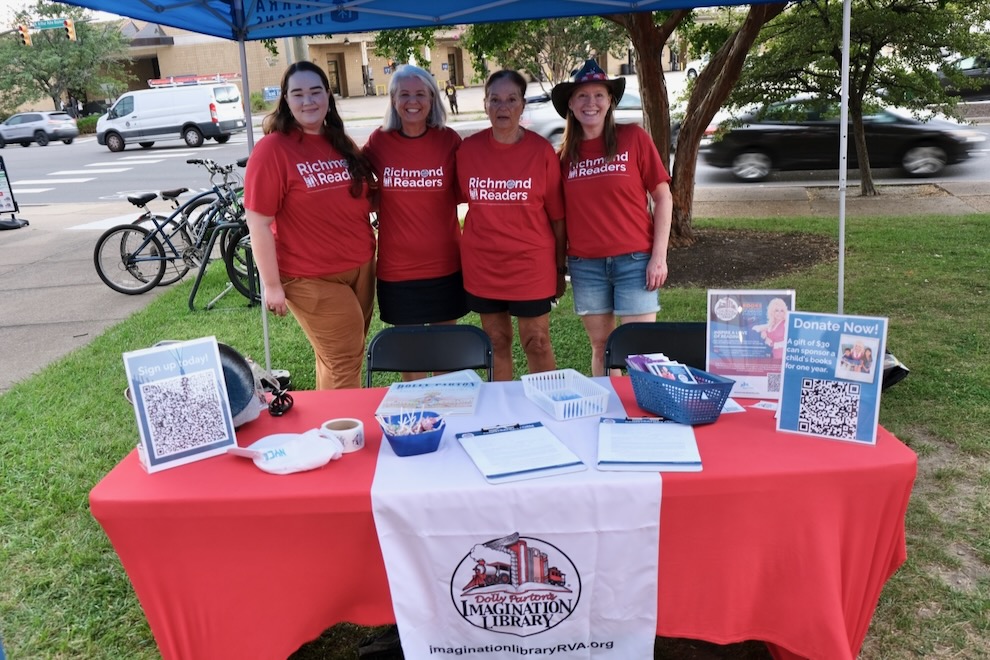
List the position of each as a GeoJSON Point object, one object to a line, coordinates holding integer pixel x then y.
{"type": "Point", "coordinates": [400, 177]}
{"type": "Point", "coordinates": [517, 585]}
{"type": "Point", "coordinates": [486, 189]}
{"type": "Point", "coordinates": [596, 166]}
{"type": "Point", "coordinates": [318, 173]}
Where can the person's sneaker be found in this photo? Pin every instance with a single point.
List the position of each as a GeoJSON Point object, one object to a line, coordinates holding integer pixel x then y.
{"type": "Point", "coordinates": [382, 646]}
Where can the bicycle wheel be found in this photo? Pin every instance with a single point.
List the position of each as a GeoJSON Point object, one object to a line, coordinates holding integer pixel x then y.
{"type": "Point", "coordinates": [236, 256]}
{"type": "Point", "coordinates": [196, 214]}
{"type": "Point", "coordinates": [129, 259]}
{"type": "Point", "coordinates": [178, 246]}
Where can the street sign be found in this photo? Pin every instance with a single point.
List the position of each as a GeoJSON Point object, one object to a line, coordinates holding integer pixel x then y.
{"type": "Point", "coordinates": [49, 24]}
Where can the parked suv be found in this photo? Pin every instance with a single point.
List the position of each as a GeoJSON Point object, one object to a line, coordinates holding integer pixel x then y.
{"type": "Point", "coordinates": [40, 127]}
{"type": "Point", "coordinates": [975, 73]}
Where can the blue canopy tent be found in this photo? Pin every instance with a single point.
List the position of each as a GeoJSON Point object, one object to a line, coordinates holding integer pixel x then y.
{"type": "Point", "coordinates": [247, 20]}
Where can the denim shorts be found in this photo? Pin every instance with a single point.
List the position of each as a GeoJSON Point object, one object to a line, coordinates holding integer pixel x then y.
{"type": "Point", "coordinates": [615, 285]}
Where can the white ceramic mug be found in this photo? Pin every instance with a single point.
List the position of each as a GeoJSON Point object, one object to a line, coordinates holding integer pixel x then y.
{"type": "Point", "coordinates": [349, 431]}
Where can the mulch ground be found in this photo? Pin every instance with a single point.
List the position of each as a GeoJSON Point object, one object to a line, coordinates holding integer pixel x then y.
{"type": "Point", "coordinates": [733, 258]}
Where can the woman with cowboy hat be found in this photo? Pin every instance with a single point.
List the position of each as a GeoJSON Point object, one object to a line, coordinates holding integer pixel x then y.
{"type": "Point", "coordinates": [616, 242]}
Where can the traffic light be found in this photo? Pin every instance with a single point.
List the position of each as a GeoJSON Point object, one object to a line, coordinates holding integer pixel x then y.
{"type": "Point", "coordinates": [70, 29]}
{"type": "Point", "coordinates": [25, 34]}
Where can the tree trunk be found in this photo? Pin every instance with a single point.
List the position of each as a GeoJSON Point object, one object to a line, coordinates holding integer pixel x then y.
{"type": "Point", "coordinates": [648, 40]}
{"type": "Point", "coordinates": [711, 88]}
{"type": "Point", "coordinates": [866, 186]}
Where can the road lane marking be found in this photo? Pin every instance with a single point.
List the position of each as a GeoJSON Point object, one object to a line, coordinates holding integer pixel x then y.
{"type": "Point", "coordinates": [27, 191]}
{"type": "Point", "coordinates": [35, 182]}
{"type": "Point", "coordinates": [109, 171]}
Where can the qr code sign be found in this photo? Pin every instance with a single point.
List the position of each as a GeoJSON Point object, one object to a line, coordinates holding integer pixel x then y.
{"type": "Point", "coordinates": [829, 408]}
{"type": "Point", "coordinates": [773, 382]}
{"type": "Point", "coordinates": [183, 413]}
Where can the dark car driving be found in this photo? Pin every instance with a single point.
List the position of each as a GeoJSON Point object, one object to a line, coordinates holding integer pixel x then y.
{"type": "Point", "coordinates": [803, 134]}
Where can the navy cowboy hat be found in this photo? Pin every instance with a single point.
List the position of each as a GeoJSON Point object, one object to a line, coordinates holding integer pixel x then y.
{"type": "Point", "coordinates": [589, 73]}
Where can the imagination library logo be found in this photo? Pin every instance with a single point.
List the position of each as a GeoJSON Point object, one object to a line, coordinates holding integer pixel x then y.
{"type": "Point", "coordinates": [486, 189]}
{"type": "Point", "coordinates": [515, 585]}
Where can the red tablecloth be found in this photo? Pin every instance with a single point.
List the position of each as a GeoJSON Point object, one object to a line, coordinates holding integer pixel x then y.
{"type": "Point", "coordinates": [782, 538]}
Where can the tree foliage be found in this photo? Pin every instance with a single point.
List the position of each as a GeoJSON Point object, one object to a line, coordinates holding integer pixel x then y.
{"type": "Point", "coordinates": [896, 46]}
{"type": "Point", "coordinates": [548, 50]}
{"type": "Point", "coordinates": [406, 45]}
{"type": "Point", "coordinates": [55, 67]}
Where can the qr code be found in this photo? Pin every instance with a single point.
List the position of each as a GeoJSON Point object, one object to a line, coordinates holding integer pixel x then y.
{"type": "Point", "coordinates": [183, 413]}
{"type": "Point", "coordinates": [829, 408]}
{"type": "Point", "coordinates": [773, 382]}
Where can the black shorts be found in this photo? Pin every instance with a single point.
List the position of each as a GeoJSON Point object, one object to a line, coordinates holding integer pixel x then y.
{"type": "Point", "coordinates": [415, 302]}
{"type": "Point", "coordinates": [524, 308]}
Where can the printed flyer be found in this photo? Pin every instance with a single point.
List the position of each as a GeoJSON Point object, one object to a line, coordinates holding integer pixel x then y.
{"type": "Point", "coordinates": [746, 338]}
{"type": "Point", "coordinates": [180, 400]}
{"type": "Point", "coordinates": [832, 376]}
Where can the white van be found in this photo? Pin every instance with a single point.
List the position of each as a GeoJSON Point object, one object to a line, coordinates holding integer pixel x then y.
{"type": "Point", "coordinates": [192, 113]}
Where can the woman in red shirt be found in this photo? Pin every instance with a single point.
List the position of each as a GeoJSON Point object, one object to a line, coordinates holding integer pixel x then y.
{"type": "Point", "coordinates": [512, 248]}
{"type": "Point", "coordinates": [306, 194]}
{"type": "Point", "coordinates": [616, 244]}
{"type": "Point", "coordinates": [419, 261]}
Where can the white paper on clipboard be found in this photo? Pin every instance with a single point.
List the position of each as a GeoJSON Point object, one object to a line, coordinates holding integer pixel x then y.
{"type": "Point", "coordinates": [519, 451]}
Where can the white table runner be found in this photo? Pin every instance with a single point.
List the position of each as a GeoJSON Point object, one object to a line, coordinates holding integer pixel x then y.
{"type": "Point", "coordinates": [564, 565]}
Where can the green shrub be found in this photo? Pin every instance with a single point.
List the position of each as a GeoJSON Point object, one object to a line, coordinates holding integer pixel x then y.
{"type": "Point", "coordinates": [87, 124]}
{"type": "Point", "coordinates": [258, 103]}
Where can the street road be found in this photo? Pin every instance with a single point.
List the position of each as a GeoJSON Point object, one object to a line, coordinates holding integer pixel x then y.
{"type": "Point", "coordinates": [86, 172]}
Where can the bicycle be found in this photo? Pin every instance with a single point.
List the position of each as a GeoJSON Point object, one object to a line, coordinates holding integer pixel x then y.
{"type": "Point", "coordinates": [205, 211]}
{"type": "Point", "coordinates": [133, 259]}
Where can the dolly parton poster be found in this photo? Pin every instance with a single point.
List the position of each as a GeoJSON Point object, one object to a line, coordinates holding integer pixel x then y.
{"type": "Point", "coordinates": [746, 338]}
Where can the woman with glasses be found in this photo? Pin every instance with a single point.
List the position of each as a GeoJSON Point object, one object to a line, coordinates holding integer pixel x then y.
{"type": "Point", "coordinates": [306, 191]}
{"type": "Point", "coordinates": [513, 244]}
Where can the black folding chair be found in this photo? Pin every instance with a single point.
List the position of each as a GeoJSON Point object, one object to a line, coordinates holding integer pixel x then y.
{"type": "Point", "coordinates": [681, 341]}
{"type": "Point", "coordinates": [429, 348]}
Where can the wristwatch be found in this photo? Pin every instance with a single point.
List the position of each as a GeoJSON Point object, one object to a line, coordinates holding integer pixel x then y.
{"type": "Point", "coordinates": [562, 270]}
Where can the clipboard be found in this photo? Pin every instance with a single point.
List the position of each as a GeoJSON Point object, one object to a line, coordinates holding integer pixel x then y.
{"type": "Point", "coordinates": [518, 451]}
{"type": "Point", "coordinates": [647, 444]}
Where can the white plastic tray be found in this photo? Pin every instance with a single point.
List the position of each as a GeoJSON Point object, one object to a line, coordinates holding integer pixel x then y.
{"type": "Point", "coordinates": [565, 393]}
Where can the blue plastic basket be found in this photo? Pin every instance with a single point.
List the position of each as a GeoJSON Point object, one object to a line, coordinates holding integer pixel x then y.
{"type": "Point", "coordinates": [685, 403]}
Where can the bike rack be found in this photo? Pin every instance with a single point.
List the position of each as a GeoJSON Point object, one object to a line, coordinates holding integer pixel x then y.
{"type": "Point", "coordinates": [206, 262]}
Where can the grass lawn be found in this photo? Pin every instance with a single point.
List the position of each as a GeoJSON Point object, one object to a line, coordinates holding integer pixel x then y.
{"type": "Point", "coordinates": [63, 593]}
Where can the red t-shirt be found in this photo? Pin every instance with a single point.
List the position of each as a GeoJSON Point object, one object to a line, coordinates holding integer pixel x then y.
{"type": "Point", "coordinates": [303, 182]}
{"type": "Point", "coordinates": [418, 232]}
{"type": "Point", "coordinates": [513, 193]}
{"type": "Point", "coordinates": [607, 212]}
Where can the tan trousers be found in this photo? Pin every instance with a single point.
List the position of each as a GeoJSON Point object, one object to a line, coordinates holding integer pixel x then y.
{"type": "Point", "coordinates": [335, 313]}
